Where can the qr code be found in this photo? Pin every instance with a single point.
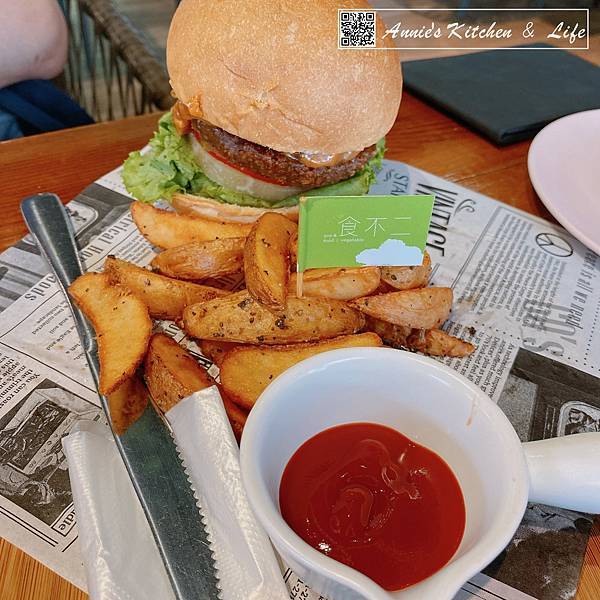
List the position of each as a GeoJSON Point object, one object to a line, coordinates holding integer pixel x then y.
{"type": "Point", "coordinates": [357, 29]}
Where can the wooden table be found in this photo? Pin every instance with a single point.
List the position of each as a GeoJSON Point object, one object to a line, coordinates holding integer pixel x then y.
{"type": "Point", "coordinates": [67, 161]}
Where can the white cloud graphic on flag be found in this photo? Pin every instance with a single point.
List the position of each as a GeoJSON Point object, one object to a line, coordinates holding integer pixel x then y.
{"type": "Point", "coordinates": [392, 253]}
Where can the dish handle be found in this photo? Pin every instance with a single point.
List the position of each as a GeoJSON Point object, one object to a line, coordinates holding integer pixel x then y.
{"type": "Point", "coordinates": [565, 471]}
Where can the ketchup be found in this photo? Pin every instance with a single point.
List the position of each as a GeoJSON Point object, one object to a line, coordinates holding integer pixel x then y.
{"type": "Point", "coordinates": [371, 498]}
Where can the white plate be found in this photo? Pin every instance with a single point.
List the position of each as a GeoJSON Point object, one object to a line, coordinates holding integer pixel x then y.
{"type": "Point", "coordinates": [564, 167]}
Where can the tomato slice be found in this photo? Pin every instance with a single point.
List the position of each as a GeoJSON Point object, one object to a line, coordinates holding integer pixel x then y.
{"type": "Point", "coordinates": [239, 168]}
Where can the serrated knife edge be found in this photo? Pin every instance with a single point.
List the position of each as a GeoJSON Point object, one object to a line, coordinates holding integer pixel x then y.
{"type": "Point", "coordinates": [147, 447]}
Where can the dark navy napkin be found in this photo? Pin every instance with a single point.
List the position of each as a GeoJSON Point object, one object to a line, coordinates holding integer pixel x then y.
{"type": "Point", "coordinates": [507, 95]}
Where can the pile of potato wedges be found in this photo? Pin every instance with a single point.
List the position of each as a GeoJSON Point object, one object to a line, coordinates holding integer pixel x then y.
{"type": "Point", "coordinates": [253, 334]}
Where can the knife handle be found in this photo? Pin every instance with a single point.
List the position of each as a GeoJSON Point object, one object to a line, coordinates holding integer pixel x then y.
{"type": "Point", "coordinates": [49, 223]}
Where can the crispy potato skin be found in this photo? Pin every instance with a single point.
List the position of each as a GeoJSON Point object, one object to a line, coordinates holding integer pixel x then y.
{"type": "Point", "coordinates": [165, 297]}
{"type": "Point", "coordinates": [436, 342]}
{"type": "Point", "coordinates": [172, 374]}
{"type": "Point", "coordinates": [215, 350]}
{"type": "Point", "coordinates": [236, 414]}
{"type": "Point", "coordinates": [408, 278]}
{"type": "Point", "coordinates": [122, 324]}
{"type": "Point", "coordinates": [247, 371]}
{"type": "Point", "coordinates": [267, 259]}
{"type": "Point", "coordinates": [392, 335]}
{"type": "Point", "coordinates": [202, 260]}
{"type": "Point", "coordinates": [127, 403]}
{"type": "Point", "coordinates": [337, 283]}
{"type": "Point", "coordinates": [423, 308]}
{"type": "Point", "coordinates": [166, 229]}
{"type": "Point", "coordinates": [293, 250]}
{"type": "Point", "coordinates": [433, 342]}
{"type": "Point", "coordinates": [240, 318]}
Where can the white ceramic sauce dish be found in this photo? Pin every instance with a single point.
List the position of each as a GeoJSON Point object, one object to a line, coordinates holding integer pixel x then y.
{"type": "Point", "coordinates": [436, 407]}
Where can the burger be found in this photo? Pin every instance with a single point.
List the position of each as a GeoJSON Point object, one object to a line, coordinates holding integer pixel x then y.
{"type": "Point", "coordinates": [268, 108]}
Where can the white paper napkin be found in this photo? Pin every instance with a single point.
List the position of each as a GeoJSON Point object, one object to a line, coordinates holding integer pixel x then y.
{"type": "Point", "coordinates": [120, 556]}
{"type": "Point", "coordinates": [119, 553]}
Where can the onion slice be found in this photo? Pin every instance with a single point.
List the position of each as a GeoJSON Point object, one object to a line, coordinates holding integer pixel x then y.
{"type": "Point", "coordinates": [233, 179]}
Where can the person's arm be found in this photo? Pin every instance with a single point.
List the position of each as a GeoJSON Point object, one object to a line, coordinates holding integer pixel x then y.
{"type": "Point", "coordinates": [33, 40]}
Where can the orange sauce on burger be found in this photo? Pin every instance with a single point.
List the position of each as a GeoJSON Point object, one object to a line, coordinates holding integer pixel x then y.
{"type": "Point", "coordinates": [314, 160]}
{"type": "Point", "coordinates": [369, 497]}
{"type": "Point", "coordinates": [182, 118]}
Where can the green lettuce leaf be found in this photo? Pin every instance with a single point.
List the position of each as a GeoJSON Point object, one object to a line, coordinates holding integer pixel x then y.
{"type": "Point", "coordinates": [169, 166]}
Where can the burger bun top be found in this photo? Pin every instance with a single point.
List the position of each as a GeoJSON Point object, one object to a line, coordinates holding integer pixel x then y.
{"type": "Point", "coordinates": [271, 72]}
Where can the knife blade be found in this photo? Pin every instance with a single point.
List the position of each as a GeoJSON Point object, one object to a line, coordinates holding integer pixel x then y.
{"type": "Point", "coordinates": [147, 448]}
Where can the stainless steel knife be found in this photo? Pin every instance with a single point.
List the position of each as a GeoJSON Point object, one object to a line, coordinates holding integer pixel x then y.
{"type": "Point", "coordinates": [147, 448]}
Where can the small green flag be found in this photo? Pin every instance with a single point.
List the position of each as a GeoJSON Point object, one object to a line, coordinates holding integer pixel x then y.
{"type": "Point", "coordinates": [354, 231]}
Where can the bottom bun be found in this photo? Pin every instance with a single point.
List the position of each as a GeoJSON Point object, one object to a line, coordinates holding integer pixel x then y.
{"type": "Point", "coordinates": [207, 208]}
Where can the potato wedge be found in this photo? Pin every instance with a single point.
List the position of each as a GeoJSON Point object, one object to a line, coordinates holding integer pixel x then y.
{"type": "Point", "coordinates": [267, 259]}
{"type": "Point", "coordinates": [167, 229]}
{"type": "Point", "coordinates": [293, 250]}
{"type": "Point", "coordinates": [236, 414]}
{"type": "Point", "coordinates": [392, 335]}
{"type": "Point", "coordinates": [216, 351]}
{"type": "Point", "coordinates": [247, 371]}
{"type": "Point", "coordinates": [408, 278]}
{"type": "Point", "coordinates": [423, 308]}
{"type": "Point", "coordinates": [337, 283]}
{"type": "Point", "coordinates": [207, 208]}
{"type": "Point", "coordinates": [172, 374]}
{"type": "Point", "coordinates": [201, 260]}
{"type": "Point", "coordinates": [122, 326]}
{"type": "Point", "coordinates": [240, 318]}
{"type": "Point", "coordinates": [436, 342]}
{"type": "Point", "coordinates": [165, 297]}
{"type": "Point", "coordinates": [127, 403]}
